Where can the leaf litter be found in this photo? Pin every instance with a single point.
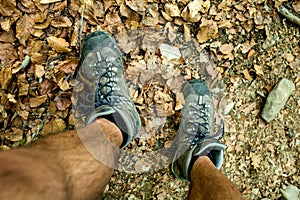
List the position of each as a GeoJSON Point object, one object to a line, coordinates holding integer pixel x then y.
{"type": "Point", "coordinates": [252, 44]}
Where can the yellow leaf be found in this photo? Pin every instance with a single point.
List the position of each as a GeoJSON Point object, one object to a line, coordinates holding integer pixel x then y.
{"type": "Point", "coordinates": [59, 45]}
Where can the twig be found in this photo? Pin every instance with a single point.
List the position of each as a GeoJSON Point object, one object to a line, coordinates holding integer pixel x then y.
{"type": "Point", "coordinates": [289, 15]}
{"type": "Point", "coordinates": [81, 22]}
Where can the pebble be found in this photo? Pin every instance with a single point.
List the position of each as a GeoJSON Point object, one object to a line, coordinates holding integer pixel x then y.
{"type": "Point", "coordinates": [277, 99]}
{"type": "Point", "coordinates": [169, 52]}
{"type": "Point", "coordinates": [228, 108]}
{"type": "Point", "coordinates": [291, 193]}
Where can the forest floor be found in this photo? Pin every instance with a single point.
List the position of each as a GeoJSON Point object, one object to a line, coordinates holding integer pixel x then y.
{"type": "Point", "coordinates": [249, 43]}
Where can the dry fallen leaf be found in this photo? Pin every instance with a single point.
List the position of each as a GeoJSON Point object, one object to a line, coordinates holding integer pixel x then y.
{"type": "Point", "coordinates": [5, 77]}
{"type": "Point", "coordinates": [296, 5]}
{"type": "Point", "coordinates": [39, 71]}
{"type": "Point", "coordinates": [24, 27]}
{"type": "Point", "coordinates": [226, 48]}
{"type": "Point", "coordinates": [37, 101]}
{"type": "Point", "coordinates": [7, 7]}
{"type": "Point", "coordinates": [247, 74]}
{"type": "Point", "coordinates": [59, 45]}
{"type": "Point", "coordinates": [15, 134]}
{"type": "Point", "coordinates": [191, 13]}
{"type": "Point", "coordinates": [208, 30]}
{"type": "Point", "coordinates": [172, 10]}
{"type": "Point", "coordinates": [69, 66]}
{"type": "Point", "coordinates": [62, 103]}
{"type": "Point", "coordinates": [54, 126]}
{"type": "Point", "coordinates": [258, 70]}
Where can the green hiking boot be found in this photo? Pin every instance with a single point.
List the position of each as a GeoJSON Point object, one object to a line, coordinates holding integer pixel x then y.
{"type": "Point", "coordinates": [195, 131]}
{"type": "Point", "coordinates": [102, 71]}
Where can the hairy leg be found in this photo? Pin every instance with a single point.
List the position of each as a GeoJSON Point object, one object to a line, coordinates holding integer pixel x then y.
{"type": "Point", "coordinates": [59, 166]}
{"type": "Point", "coordinates": [210, 184]}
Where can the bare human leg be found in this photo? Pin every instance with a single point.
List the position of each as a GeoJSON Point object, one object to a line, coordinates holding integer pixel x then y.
{"type": "Point", "coordinates": [209, 183]}
{"type": "Point", "coordinates": [59, 167]}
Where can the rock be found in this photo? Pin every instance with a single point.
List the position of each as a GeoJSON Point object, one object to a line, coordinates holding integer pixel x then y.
{"type": "Point", "coordinates": [169, 52]}
{"type": "Point", "coordinates": [277, 99]}
{"type": "Point", "coordinates": [291, 193]}
{"type": "Point", "coordinates": [228, 108]}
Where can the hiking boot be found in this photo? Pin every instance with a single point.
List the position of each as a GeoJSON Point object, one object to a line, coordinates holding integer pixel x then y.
{"type": "Point", "coordinates": [195, 131]}
{"type": "Point", "coordinates": [106, 94]}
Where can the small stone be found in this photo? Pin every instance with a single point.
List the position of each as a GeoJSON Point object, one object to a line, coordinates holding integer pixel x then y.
{"type": "Point", "coordinates": [228, 108]}
{"type": "Point", "coordinates": [277, 99]}
{"type": "Point", "coordinates": [169, 52]}
{"type": "Point", "coordinates": [291, 193]}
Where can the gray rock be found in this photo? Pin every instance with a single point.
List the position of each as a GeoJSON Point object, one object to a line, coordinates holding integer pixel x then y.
{"type": "Point", "coordinates": [291, 193]}
{"type": "Point", "coordinates": [169, 52]}
{"type": "Point", "coordinates": [277, 99]}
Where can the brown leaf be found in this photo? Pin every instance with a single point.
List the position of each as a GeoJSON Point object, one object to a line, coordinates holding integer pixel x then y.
{"type": "Point", "coordinates": [172, 10]}
{"type": "Point", "coordinates": [8, 21]}
{"type": "Point", "coordinates": [39, 71]}
{"type": "Point", "coordinates": [24, 27]}
{"type": "Point", "coordinates": [208, 30]}
{"type": "Point", "coordinates": [69, 66]}
{"type": "Point", "coordinates": [61, 22]}
{"type": "Point", "coordinates": [7, 52]}
{"type": "Point", "coordinates": [47, 86]}
{"type": "Point", "coordinates": [179, 101]}
{"type": "Point", "coordinates": [247, 74]}
{"type": "Point", "coordinates": [8, 37]}
{"type": "Point", "coordinates": [258, 69]}
{"type": "Point", "coordinates": [15, 135]}
{"type": "Point", "coordinates": [59, 45]}
{"type": "Point", "coordinates": [5, 77]}
{"type": "Point", "coordinates": [62, 103]}
{"type": "Point", "coordinates": [7, 7]}
{"type": "Point", "coordinates": [137, 6]}
{"type": "Point", "coordinates": [54, 126]}
{"type": "Point", "coordinates": [37, 101]}
{"type": "Point", "coordinates": [226, 48]}
{"type": "Point", "coordinates": [191, 12]}
{"type": "Point", "coordinates": [296, 5]}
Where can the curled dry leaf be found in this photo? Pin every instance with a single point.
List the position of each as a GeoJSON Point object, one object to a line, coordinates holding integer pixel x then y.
{"type": "Point", "coordinates": [69, 66]}
{"type": "Point", "coordinates": [59, 45]}
{"type": "Point", "coordinates": [15, 134]}
{"type": "Point", "coordinates": [37, 101]}
{"type": "Point", "coordinates": [172, 10]}
{"type": "Point", "coordinates": [61, 22]}
{"type": "Point", "coordinates": [208, 30]}
{"type": "Point", "coordinates": [191, 13]}
{"type": "Point", "coordinates": [5, 77]}
{"type": "Point", "coordinates": [7, 7]}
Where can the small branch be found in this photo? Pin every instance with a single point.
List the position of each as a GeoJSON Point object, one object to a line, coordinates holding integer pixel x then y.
{"type": "Point", "coordinates": [289, 15]}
